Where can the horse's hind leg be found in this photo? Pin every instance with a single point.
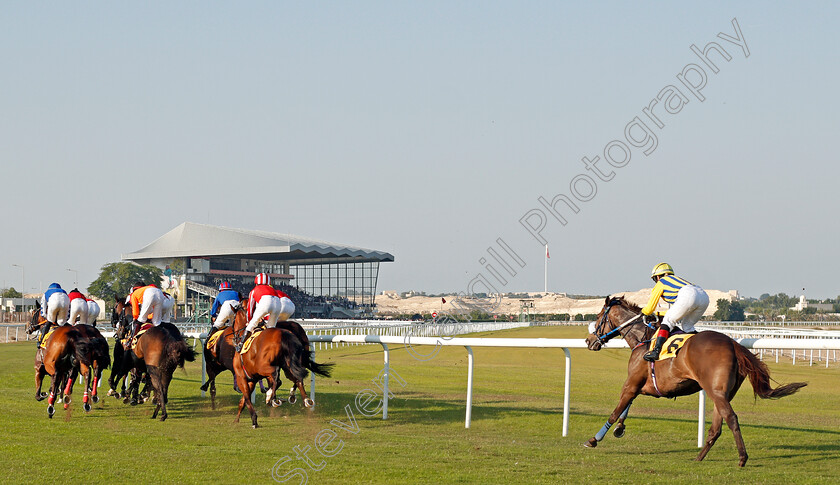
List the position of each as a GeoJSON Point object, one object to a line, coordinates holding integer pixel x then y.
{"type": "Point", "coordinates": [714, 434]}
{"type": "Point", "coordinates": [724, 408]}
{"type": "Point", "coordinates": [153, 373]}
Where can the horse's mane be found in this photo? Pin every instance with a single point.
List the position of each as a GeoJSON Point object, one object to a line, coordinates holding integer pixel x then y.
{"type": "Point", "coordinates": [627, 304]}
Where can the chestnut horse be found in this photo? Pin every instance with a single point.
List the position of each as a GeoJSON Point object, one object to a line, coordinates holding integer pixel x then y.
{"type": "Point", "coordinates": [64, 348]}
{"type": "Point", "coordinates": [710, 361]}
{"type": "Point", "coordinates": [98, 353]}
{"type": "Point", "coordinates": [219, 358]}
{"type": "Point", "coordinates": [271, 350]}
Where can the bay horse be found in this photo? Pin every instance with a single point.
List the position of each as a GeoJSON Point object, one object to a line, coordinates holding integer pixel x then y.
{"type": "Point", "coordinates": [709, 361]}
{"type": "Point", "coordinates": [157, 353]}
{"type": "Point", "coordinates": [98, 354]}
{"type": "Point", "coordinates": [219, 357]}
{"type": "Point", "coordinates": [123, 361]}
{"type": "Point", "coordinates": [64, 348]}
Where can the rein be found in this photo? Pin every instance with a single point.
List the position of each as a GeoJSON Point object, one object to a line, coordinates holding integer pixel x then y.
{"type": "Point", "coordinates": [604, 338]}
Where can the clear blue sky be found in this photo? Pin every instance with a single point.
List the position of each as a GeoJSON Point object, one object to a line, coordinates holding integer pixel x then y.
{"type": "Point", "coordinates": [428, 130]}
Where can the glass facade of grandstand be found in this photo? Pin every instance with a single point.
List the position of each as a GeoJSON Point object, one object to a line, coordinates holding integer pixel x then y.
{"type": "Point", "coordinates": [353, 283]}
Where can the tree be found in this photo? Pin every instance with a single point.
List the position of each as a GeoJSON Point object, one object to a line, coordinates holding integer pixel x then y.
{"type": "Point", "coordinates": [11, 292]}
{"type": "Point", "coordinates": [116, 279]}
{"type": "Point", "coordinates": [729, 311]}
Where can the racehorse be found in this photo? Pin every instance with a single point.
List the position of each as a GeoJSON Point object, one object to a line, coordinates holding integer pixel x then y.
{"type": "Point", "coordinates": [271, 350]}
{"type": "Point", "coordinates": [219, 357]}
{"type": "Point", "coordinates": [64, 348]}
{"type": "Point", "coordinates": [124, 362]}
{"type": "Point", "coordinates": [157, 353]}
{"type": "Point", "coordinates": [710, 361]}
{"type": "Point", "coordinates": [97, 351]}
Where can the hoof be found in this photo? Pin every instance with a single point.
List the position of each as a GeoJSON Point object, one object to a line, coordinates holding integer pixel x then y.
{"type": "Point", "coordinates": [592, 443]}
{"type": "Point", "coordinates": [66, 406]}
{"type": "Point", "coordinates": [255, 426]}
{"type": "Point", "coordinates": [619, 432]}
{"type": "Point", "coordinates": [59, 400]}
{"type": "Point", "coordinates": [86, 407]}
{"type": "Point", "coordinates": [95, 399]}
{"type": "Point", "coordinates": [50, 410]}
{"type": "Point", "coordinates": [309, 403]}
{"type": "Point", "coordinates": [276, 403]}
{"type": "Point", "coordinates": [112, 393]}
{"type": "Point", "coordinates": [134, 402]}
{"type": "Point", "coordinates": [292, 399]}
{"type": "Point", "coordinates": [40, 397]}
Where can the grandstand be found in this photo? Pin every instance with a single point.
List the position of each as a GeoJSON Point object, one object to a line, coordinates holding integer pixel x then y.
{"type": "Point", "coordinates": [323, 279]}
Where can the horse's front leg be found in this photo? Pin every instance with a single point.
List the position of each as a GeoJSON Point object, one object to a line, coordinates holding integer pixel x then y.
{"type": "Point", "coordinates": [620, 412]}
{"type": "Point", "coordinates": [618, 431]}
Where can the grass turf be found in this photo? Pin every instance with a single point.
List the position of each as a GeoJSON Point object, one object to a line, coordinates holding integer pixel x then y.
{"type": "Point", "coordinates": [515, 435]}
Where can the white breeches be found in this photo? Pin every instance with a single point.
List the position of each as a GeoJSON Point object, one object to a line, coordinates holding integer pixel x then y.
{"type": "Point", "coordinates": [687, 309]}
{"type": "Point", "coordinates": [168, 305]}
{"type": "Point", "coordinates": [276, 309]}
{"type": "Point", "coordinates": [93, 312]}
{"type": "Point", "coordinates": [57, 308]}
{"type": "Point", "coordinates": [226, 312]}
{"type": "Point", "coordinates": [78, 309]}
{"type": "Point", "coordinates": [152, 303]}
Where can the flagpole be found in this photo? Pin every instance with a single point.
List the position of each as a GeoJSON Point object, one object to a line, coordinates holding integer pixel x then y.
{"type": "Point", "coordinates": [545, 289]}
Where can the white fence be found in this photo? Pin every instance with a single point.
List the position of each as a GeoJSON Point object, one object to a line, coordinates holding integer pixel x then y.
{"type": "Point", "coordinates": [565, 344]}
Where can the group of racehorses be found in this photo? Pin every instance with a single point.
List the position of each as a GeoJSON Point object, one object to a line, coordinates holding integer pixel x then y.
{"type": "Point", "coordinates": [710, 361]}
{"type": "Point", "coordinates": [152, 356]}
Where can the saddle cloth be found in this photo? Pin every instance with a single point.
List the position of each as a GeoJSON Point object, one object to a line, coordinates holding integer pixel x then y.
{"type": "Point", "coordinates": [672, 345]}
{"type": "Point", "coordinates": [143, 329]}
{"type": "Point", "coordinates": [47, 336]}
{"type": "Point", "coordinates": [211, 342]}
{"type": "Point", "coordinates": [247, 345]}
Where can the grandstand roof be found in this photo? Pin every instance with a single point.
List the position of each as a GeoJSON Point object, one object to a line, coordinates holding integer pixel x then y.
{"type": "Point", "coordinates": [191, 240]}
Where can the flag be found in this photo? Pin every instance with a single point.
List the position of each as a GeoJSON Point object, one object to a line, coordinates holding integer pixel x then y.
{"type": "Point", "coordinates": [442, 300]}
{"type": "Point", "coordinates": [546, 252]}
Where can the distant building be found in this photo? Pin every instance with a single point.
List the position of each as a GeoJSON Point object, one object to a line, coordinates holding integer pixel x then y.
{"type": "Point", "coordinates": [803, 304]}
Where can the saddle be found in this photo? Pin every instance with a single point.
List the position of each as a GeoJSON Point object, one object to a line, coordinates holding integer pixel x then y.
{"type": "Point", "coordinates": [141, 331]}
{"type": "Point", "coordinates": [671, 346]}
{"type": "Point", "coordinates": [247, 345]}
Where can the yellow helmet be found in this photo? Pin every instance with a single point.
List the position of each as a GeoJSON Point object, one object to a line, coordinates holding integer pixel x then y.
{"type": "Point", "coordinates": [661, 269]}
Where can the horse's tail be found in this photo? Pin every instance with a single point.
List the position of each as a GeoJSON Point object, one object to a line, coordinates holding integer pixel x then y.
{"type": "Point", "coordinates": [177, 351]}
{"type": "Point", "coordinates": [323, 370]}
{"type": "Point", "coordinates": [82, 350]}
{"type": "Point", "coordinates": [293, 349]}
{"type": "Point", "coordinates": [759, 374]}
{"type": "Point", "coordinates": [100, 353]}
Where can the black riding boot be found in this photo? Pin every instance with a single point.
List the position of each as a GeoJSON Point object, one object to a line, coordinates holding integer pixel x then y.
{"type": "Point", "coordinates": [661, 337]}
{"type": "Point", "coordinates": [44, 329]}
{"type": "Point", "coordinates": [135, 326]}
{"type": "Point", "coordinates": [242, 341]}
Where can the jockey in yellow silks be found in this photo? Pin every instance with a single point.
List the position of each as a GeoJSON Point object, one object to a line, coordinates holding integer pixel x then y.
{"type": "Point", "coordinates": [687, 302]}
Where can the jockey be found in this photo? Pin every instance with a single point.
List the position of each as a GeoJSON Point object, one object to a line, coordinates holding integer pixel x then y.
{"type": "Point", "coordinates": [265, 301]}
{"type": "Point", "coordinates": [225, 305]}
{"type": "Point", "coordinates": [145, 299]}
{"type": "Point", "coordinates": [93, 311]}
{"type": "Point", "coordinates": [688, 302]}
{"type": "Point", "coordinates": [78, 307]}
{"type": "Point", "coordinates": [54, 307]}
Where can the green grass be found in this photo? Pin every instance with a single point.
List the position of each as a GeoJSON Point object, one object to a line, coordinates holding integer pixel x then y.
{"type": "Point", "coordinates": [515, 435]}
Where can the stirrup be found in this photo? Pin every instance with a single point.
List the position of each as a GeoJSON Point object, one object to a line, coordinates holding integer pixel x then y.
{"type": "Point", "coordinates": [653, 355]}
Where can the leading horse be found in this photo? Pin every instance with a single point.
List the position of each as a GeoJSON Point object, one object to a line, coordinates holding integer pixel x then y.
{"type": "Point", "coordinates": [710, 361]}
{"type": "Point", "coordinates": [65, 347]}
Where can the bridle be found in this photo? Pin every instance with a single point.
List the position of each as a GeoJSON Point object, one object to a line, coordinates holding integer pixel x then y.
{"type": "Point", "coordinates": [599, 328]}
